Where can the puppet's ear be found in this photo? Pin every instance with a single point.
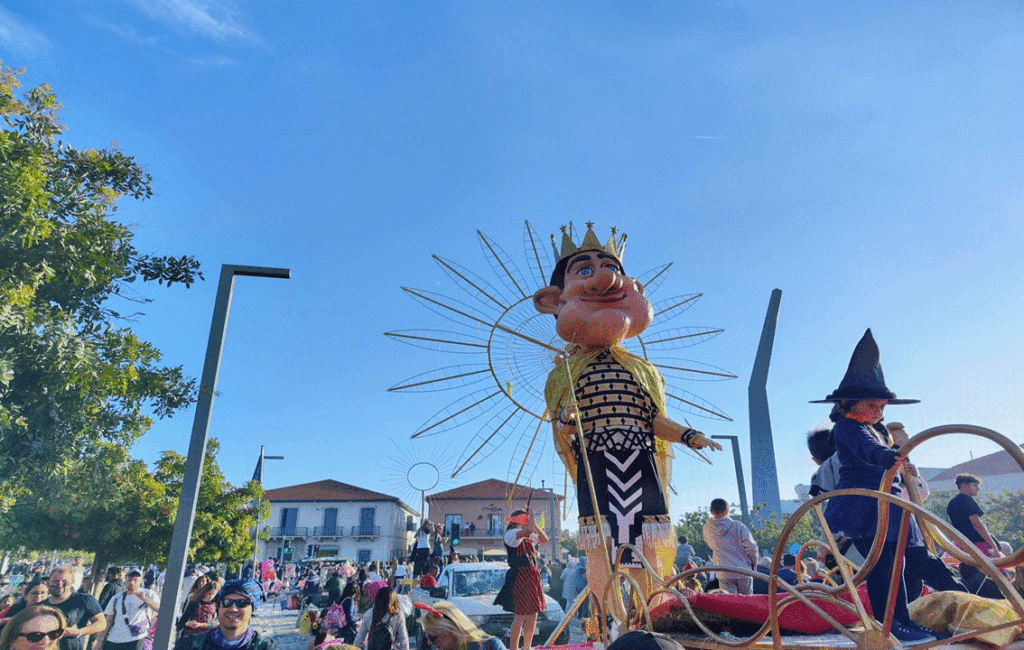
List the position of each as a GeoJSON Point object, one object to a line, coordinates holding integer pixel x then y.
{"type": "Point", "coordinates": [548, 300]}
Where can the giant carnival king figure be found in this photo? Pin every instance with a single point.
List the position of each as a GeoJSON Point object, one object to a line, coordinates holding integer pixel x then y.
{"type": "Point", "coordinates": [612, 403]}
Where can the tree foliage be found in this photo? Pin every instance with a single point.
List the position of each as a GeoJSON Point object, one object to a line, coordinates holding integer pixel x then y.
{"type": "Point", "coordinates": [115, 508]}
{"type": "Point", "coordinates": [766, 529]}
{"type": "Point", "coordinates": [73, 377]}
{"type": "Point", "coordinates": [1004, 513]}
{"type": "Point", "coordinates": [222, 531]}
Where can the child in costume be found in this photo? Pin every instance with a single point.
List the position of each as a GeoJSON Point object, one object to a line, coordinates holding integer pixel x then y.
{"type": "Point", "coordinates": [522, 593]}
{"type": "Point", "coordinates": [865, 451]}
{"type": "Point", "coordinates": [614, 402]}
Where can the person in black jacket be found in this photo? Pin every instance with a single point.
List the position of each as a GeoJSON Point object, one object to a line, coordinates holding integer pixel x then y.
{"type": "Point", "coordinates": [113, 586]}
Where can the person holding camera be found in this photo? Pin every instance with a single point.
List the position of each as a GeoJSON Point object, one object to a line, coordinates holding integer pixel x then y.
{"type": "Point", "coordinates": [129, 615]}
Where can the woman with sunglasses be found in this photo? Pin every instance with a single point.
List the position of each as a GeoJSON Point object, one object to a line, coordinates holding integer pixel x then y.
{"type": "Point", "coordinates": [445, 627]}
{"type": "Point", "coordinates": [36, 628]}
{"type": "Point", "coordinates": [35, 593]}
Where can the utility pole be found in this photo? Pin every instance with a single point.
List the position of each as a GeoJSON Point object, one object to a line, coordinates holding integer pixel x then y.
{"type": "Point", "coordinates": [739, 476]}
{"type": "Point", "coordinates": [551, 515]}
{"type": "Point", "coordinates": [258, 476]}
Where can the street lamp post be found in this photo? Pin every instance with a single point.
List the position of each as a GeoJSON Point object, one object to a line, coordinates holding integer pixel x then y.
{"type": "Point", "coordinates": [197, 447]}
{"type": "Point", "coordinates": [551, 514]}
{"type": "Point", "coordinates": [259, 502]}
{"type": "Point", "coordinates": [739, 476]}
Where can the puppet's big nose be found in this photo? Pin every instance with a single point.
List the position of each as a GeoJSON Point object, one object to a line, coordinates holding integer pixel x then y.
{"type": "Point", "coordinates": [605, 281]}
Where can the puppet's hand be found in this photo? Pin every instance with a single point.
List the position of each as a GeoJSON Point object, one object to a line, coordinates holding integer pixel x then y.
{"type": "Point", "coordinates": [566, 422]}
{"type": "Point", "coordinates": [700, 441]}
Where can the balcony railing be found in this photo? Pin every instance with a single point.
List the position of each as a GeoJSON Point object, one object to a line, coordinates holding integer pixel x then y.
{"type": "Point", "coordinates": [329, 531]}
{"type": "Point", "coordinates": [365, 531]}
{"type": "Point", "coordinates": [289, 531]}
{"type": "Point", "coordinates": [483, 532]}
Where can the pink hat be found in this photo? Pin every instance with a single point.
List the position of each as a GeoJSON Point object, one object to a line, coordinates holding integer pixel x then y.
{"type": "Point", "coordinates": [373, 587]}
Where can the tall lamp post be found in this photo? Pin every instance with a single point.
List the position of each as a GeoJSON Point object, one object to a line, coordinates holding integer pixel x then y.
{"type": "Point", "coordinates": [739, 476]}
{"type": "Point", "coordinates": [258, 477]}
{"type": "Point", "coordinates": [551, 527]}
{"type": "Point", "coordinates": [197, 447]}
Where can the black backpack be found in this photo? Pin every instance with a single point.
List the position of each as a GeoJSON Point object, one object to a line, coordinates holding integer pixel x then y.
{"type": "Point", "coordinates": [381, 635]}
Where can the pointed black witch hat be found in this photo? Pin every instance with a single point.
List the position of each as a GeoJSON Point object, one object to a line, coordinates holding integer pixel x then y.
{"type": "Point", "coordinates": [864, 378]}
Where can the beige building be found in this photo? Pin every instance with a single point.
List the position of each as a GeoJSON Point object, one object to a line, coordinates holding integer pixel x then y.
{"type": "Point", "coordinates": [477, 511]}
{"type": "Point", "coordinates": [997, 471]}
{"type": "Point", "coordinates": [333, 519]}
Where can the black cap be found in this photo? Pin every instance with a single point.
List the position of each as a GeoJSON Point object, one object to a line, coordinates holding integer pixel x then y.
{"type": "Point", "coordinates": [641, 640]}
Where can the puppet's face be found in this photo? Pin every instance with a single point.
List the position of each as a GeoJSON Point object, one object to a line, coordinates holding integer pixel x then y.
{"type": "Point", "coordinates": [599, 306]}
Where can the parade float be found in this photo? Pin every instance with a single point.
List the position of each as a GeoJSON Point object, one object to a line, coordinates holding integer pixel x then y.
{"type": "Point", "coordinates": [532, 372]}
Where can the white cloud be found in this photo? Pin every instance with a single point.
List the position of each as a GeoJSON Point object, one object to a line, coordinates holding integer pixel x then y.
{"type": "Point", "coordinates": [126, 32]}
{"type": "Point", "coordinates": [210, 62]}
{"type": "Point", "coordinates": [216, 19]}
{"type": "Point", "coordinates": [19, 37]}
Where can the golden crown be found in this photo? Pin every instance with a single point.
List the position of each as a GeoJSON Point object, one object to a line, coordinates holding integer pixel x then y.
{"type": "Point", "coordinates": [616, 246]}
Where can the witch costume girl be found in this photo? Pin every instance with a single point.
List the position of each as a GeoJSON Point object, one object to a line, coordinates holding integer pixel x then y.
{"type": "Point", "coordinates": [865, 451]}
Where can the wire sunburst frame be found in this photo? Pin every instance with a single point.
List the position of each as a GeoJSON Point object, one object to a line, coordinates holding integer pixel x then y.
{"type": "Point", "coordinates": [414, 470]}
{"type": "Point", "coordinates": [510, 350]}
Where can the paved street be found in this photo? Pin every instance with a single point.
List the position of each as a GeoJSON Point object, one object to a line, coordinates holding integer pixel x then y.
{"type": "Point", "coordinates": [272, 621]}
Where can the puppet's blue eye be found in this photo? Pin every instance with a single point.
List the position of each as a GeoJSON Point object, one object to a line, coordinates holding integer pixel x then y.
{"type": "Point", "coordinates": [586, 270]}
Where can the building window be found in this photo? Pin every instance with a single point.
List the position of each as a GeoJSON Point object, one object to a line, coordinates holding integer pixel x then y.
{"type": "Point", "coordinates": [288, 518]}
{"type": "Point", "coordinates": [330, 521]}
{"type": "Point", "coordinates": [494, 527]}
{"type": "Point", "coordinates": [363, 556]}
{"type": "Point", "coordinates": [366, 519]}
{"type": "Point", "coordinates": [453, 526]}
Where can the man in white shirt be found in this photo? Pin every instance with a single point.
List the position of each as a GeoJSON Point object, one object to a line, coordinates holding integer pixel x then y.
{"type": "Point", "coordinates": [130, 614]}
{"type": "Point", "coordinates": [733, 545]}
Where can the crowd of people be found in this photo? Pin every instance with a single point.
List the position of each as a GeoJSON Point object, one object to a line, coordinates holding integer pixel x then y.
{"type": "Point", "coordinates": [352, 606]}
{"type": "Point", "coordinates": [370, 608]}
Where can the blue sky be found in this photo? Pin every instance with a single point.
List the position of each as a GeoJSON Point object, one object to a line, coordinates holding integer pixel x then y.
{"type": "Point", "coordinates": [863, 157]}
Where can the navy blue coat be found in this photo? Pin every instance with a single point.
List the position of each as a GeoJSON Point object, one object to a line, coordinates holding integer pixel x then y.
{"type": "Point", "coordinates": [863, 461]}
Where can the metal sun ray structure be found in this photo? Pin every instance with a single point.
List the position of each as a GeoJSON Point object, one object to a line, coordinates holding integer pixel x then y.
{"type": "Point", "coordinates": [509, 349]}
{"type": "Point", "coordinates": [412, 470]}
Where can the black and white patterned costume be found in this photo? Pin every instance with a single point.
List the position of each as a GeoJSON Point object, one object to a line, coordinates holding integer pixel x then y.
{"type": "Point", "coordinates": [617, 414]}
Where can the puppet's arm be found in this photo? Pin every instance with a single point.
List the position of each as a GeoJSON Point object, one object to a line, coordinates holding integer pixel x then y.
{"type": "Point", "coordinates": [672, 431]}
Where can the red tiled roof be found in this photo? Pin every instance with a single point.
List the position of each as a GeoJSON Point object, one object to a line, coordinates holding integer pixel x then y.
{"type": "Point", "coordinates": [489, 489]}
{"type": "Point", "coordinates": [327, 490]}
{"type": "Point", "coordinates": [995, 464]}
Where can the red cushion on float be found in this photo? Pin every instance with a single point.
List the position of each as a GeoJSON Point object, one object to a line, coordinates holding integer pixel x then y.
{"type": "Point", "coordinates": [797, 617]}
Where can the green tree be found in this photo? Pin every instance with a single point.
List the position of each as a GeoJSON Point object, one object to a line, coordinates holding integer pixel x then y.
{"type": "Point", "coordinates": [1004, 513]}
{"type": "Point", "coordinates": [768, 529]}
{"type": "Point", "coordinates": [570, 543]}
{"type": "Point", "coordinates": [765, 529]}
{"type": "Point", "coordinates": [72, 375]}
{"type": "Point", "coordinates": [107, 505]}
{"type": "Point", "coordinates": [691, 524]}
{"type": "Point", "coordinates": [224, 521]}
{"type": "Point", "coordinates": [122, 512]}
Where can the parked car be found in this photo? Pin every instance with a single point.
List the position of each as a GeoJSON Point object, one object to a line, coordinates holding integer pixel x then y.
{"type": "Point", "coordinates": [472, 586]}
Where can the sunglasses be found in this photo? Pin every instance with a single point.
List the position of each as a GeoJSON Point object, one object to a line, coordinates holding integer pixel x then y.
{"type": "Point", "coordinates": [240, 603]}
{"type": "Point", "coordinates": [36, 637]}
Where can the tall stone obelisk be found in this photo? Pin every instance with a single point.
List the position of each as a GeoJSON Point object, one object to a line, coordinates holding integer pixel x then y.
{"type": "Point", "coordinates": [764, 475]}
